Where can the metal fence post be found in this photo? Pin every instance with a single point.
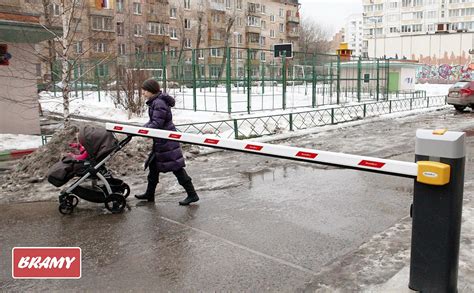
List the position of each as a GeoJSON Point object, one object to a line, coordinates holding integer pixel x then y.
{"type": "Point", "coordinates": [228, 81]}
{"type": "Point", "coordinates": [437, 209]}
{"type": "Point", "coordinates": [378, 79]}
{"type": "Point", "coordinates": [332, 115]}
{"type": "Point", "coordinates": [338, 81]}
{"type": "Point", "coordinates": [365, 110]}
{"type": "Point", "coordinates": [427, 102]}
{"type": "Point", "coordinates": [314, 80]}
{"type": "Point", "coordinates": [291, 121]}
{"type": "Point", "coordinates": [359, 77]}
{"type": "Point", "coordinates": [164, 65]}
{"type": "Point", "coordinates": [283, 59]}
{"type": "Point", "coordinates": [193, 67]}
{"type": "Point", "coordinates": [236, 129]}
{"type": "Point", "coordinates": [390, 106]}
{"type": "Point", "coordinates": [249, 86]}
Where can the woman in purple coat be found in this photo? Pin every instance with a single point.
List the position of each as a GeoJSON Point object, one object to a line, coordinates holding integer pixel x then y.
{"type": "Point", "coordinates": [166, 155]}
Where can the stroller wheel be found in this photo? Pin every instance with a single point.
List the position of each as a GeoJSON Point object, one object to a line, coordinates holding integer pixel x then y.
{"type": "Point", "coordinates": [73, 200]}
{"type": "Point", "coordinates": [126, 190]}
{"type": "Point", "coordinates": [115, 203]}
{"type": "Point", "coordinates": [66, 208]}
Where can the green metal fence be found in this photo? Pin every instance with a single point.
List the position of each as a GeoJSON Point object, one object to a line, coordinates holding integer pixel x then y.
{"type": "Point", "coordinates": [235, 80]}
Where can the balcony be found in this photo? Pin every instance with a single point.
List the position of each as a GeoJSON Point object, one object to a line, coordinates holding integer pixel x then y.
{"type": "Point", "coordinates": [292, 19]}
{"type": "Point", "coordinates": [162, 39]}
{"type": "Point", "coordinates": [218, 6]}
{"type": "Point", "coordinates": [161, 17]}
{"type": "Point", "coordinates": [253, 29]}
{"type": "Point", "coordinates": [293, 34]}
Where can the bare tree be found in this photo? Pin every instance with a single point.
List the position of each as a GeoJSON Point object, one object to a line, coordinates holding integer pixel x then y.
{"type": "Point", "coordinates": [313, 37]}
{"type": "Point", "coordinates": [230, 21]}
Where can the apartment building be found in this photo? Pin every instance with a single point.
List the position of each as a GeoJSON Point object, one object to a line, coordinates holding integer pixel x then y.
{"type": "Point", "coordinates": [419, 28]}
{"type": "Point", "coordinates": [354, 33]}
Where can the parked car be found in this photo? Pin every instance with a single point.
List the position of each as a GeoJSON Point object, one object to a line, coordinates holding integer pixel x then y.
{"type": "Point", "coordinates": [461, 95]}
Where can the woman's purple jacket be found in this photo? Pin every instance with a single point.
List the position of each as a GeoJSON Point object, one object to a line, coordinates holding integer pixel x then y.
{"type": "Point", "coordinates": [166, 154]}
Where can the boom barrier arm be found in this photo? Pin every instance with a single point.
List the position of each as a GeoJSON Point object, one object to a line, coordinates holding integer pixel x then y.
{"type": "Point", "coordinates": [369, 164]}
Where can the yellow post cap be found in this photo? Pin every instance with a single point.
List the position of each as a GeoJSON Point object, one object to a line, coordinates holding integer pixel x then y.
{"type": "Point", "coordinates": [441, 131]}
{"type": "Point", "coordinates": [433, 173]}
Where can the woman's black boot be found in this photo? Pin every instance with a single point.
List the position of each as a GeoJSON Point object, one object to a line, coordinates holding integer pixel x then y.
{"type": "Point", "coordinates": [149, 193]}
{"type": "Point", "coordinates": [192, 195]}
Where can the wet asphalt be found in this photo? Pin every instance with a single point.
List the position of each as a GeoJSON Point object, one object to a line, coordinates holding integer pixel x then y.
{"type": "Point", "coordinates": [281, 226]}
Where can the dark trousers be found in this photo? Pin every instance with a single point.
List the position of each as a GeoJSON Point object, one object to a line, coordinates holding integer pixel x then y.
{"type": "Point", "coordinates": [183, 179]}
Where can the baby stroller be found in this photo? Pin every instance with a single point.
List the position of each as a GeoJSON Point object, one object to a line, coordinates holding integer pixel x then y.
{"type": "Point", "coordinates": [95, 183]}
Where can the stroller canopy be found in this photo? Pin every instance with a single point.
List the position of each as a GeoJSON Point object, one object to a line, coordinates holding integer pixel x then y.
{"type": "Point", "coordinates": [97, 141]}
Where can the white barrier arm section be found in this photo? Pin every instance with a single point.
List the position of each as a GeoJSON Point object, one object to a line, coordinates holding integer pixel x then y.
{"type": "Point", "coordinates": [370, 164]}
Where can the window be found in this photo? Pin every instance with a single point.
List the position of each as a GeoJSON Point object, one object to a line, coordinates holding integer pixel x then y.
{"type": "Point", "coordinates": [393, 5]}
{"type": "Point", "coordinates": [200, 54]}
{"type": "Point", "coordinates": [120, 29]}
{"type": "Point", "coordinates": [417, 28]}
{"type": "Point", "coordinates": [406, 3]}
{"type": "Point", "coordinates": [253, 38]}
{"type": "Point", "coordinates": [56, 9]}
{"type": "Point", "coordinates": [173, 12]}
{"type": "Point", "coordinates": [76, 25]}
{"type": "Point", "coordinates": [431, 27]}
{"type": "Point", "coordinates": [431, 14]}
{"type": "Point", "coordinates": [215, 71]}
{"type": "Point", "coordinates": [263, 24]}
{"type": "Point", "coordinates": [173, 33]}
{"type": "Point", "coordinates": [38, 69]}
{"type": "Point", "coordinates": [272, 33]}
{"type": "Point", "coordinates": [239, 39]}
{"type": "Point", "coordinates": [187, 4]}
{"type": "Point", "coordinates": [173, 51]}
{"type": "Point", "coordinates": [78, 47]}
{"type": "Point", "coordinates": [228, 4]}
{"type": "Point", "coordinates": [253, 21]}
{"type": "Point", "coordinates": [262, 56]}
{"type": "Point", "coordinates": [102, 70]}
{"type": "Point", "coordinates": [138, 49]}
{"type": "Point", "coordinates": [281, 12]}
{"type": "Point", "coordinates": [215, 52]}
{"type": "Point", "coordinates": [187, 43]}
{"type": "Point", "coordinates": [120, 5]}
{"type": "Point", "coordinates": [137, 8]}
{"type": "Point", "coordinates": [187, 24]}
{"type": "Point", "coordinates": [406, 28]}
{"type": "Point", "coordinates": [282, 27]}
{"type": "Point", "coordinates": [417, 2]}
{"type": "Point", "coordinates": [262, 41]}
{"type": "Point", "coordinates": [101, 23]}
{"type": "Point", "coordinates": [239, 4]}
{"type": "Point", "coordinates": [263, 9]}
{"type": "Point", "coordinates": [272, 18]}
{"type": "Point", "coordinates": [121, 49]}
{"type": "Point", "coordinates": [418, 15]}
{"type": "Point", "coordinates": [137, 30]}
{"type": "Point", "coordinates": [100, 47]}
{"type": "Point", "coordinates": [155, 28]}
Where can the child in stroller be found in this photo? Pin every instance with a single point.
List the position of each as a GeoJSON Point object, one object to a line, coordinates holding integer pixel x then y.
{"type": "Point", "coordinates": [95, 183]}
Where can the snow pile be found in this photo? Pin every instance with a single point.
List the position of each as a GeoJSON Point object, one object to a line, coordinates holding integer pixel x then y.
{"type": "Point", "coordinates": [34, 167]}
{"type": "Point", "coordinates": [19, 142]}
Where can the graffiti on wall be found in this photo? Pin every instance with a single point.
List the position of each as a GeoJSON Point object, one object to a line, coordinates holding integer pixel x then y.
{"type": "Point", "coordinates": [444, 73]}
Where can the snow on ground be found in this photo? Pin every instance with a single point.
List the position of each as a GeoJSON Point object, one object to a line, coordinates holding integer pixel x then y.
{"type": "Point", "coordinates": [19, 141]}
{"type": "Point", "coordinates": [434, 89]}
{"type": "Point", "coordinates": [103, 107]}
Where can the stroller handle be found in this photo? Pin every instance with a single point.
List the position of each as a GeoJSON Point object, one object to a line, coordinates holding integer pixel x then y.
{"type": "Point", "coordinates": [125, 141]}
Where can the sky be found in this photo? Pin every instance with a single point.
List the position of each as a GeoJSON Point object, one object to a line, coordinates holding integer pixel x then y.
{"type": "Point", "coordinates": [330, 13]}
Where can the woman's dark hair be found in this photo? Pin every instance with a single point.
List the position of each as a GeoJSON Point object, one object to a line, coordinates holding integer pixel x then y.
{"type": "Point", "coordinates": [151, 85]}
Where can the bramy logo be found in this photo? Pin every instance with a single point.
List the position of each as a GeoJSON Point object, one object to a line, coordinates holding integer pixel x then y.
{"type": "Point", "coordinates": [46, 263]}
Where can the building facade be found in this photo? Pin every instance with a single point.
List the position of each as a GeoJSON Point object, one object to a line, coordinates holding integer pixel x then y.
{"type": "Point", "coordinates": [354, 33]}
{"type": "Point", "coordinates": [402, 20]}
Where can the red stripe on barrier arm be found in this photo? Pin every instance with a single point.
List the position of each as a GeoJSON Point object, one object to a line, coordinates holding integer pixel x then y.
{"type": "Point", "coordinates": [177, 136]}
{"type": "Point", "coordinates": [118, 128]}
{"type": "Point", "coordinates": [21, 153]}
{"type": "Point", "coordinates": [143, 131]}
{"type": "Point", "coordinates": [372, 164]}
{"type": "Point", "coordinates": [211, 141]}
{"type": "Point", "coordinates": [253, 147]}
{"type": "Point", "coordinates": [306, 155]}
